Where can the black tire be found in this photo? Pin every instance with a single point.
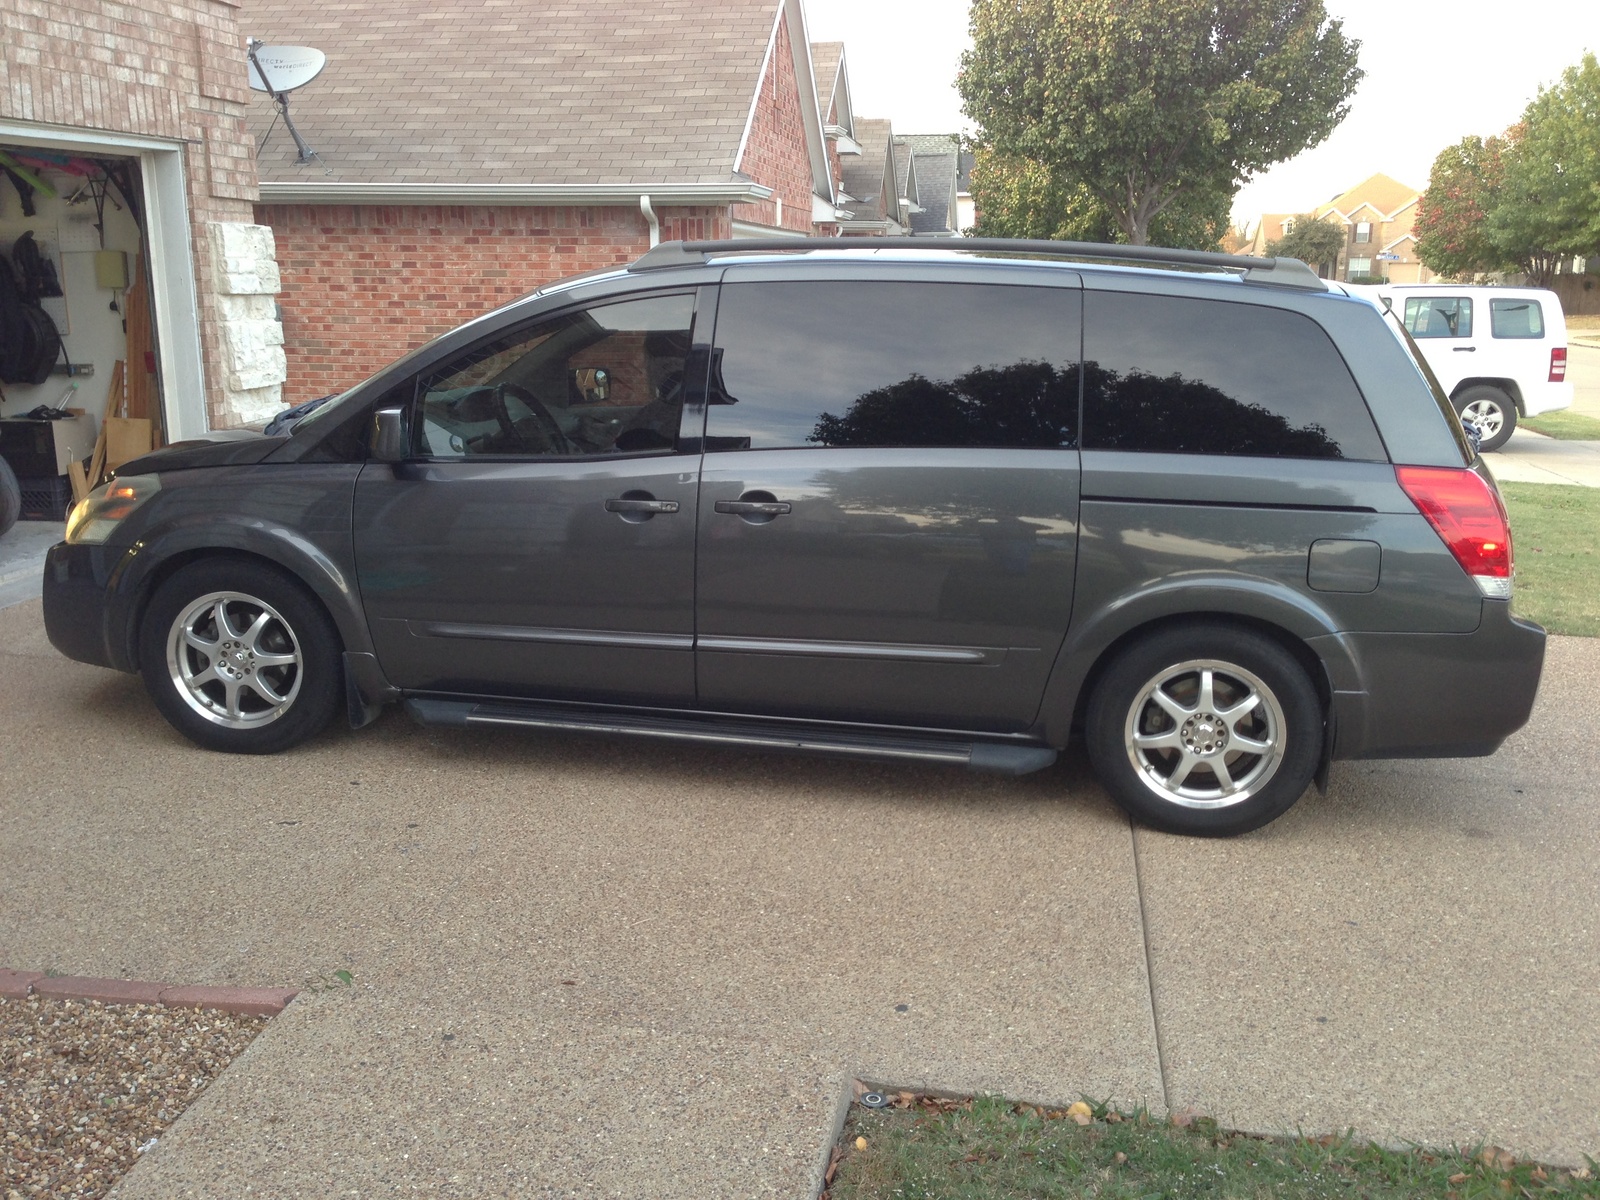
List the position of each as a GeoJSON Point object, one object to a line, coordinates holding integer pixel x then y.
{"type": "Point", "coordinates": [1286, 720]}
{"type": "Point", "coordinates": [10, 498]}
{"type": "Point", "coordinates": [1492, 411]}
{"type": "Point", "coordinates": [265, 615]}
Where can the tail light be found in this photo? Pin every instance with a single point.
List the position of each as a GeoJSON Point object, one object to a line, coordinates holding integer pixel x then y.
{"type": "Point", "coordinates": [1558, 365]}
{"type": "Point", "coordinates": [1469, 517]}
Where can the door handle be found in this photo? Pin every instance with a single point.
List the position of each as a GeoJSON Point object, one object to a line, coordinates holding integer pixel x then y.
{"type": "Point", "coordinates": [641, 506]}
{"type": "Point", "coordinates": [1464, 349]}
{"type": "Point", "coordinates": [754, 508]}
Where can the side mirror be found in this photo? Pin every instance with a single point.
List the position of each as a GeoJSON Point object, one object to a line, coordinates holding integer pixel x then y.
{"type": "Point", "coordinates": [589, 385]}
{"type": "Point", "coordinates": [389, 440]}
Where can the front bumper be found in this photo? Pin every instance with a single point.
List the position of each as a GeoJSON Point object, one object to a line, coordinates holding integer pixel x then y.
{"type": "Point", "coordinates": [1434, 695]}
{"type": "Point", "coordinates": [81, 617]}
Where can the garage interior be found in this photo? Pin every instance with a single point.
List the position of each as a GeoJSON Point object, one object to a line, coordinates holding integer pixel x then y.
{"type": "Point", "coordinates": [74, 280]}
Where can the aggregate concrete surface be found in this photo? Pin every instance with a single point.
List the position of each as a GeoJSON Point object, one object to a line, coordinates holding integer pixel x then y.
{"type": "Point", "coordinates": [588, 967]}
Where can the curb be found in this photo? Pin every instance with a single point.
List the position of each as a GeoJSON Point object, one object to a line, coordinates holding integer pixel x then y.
{"type": "Point", "coordinates": [245, 1002]}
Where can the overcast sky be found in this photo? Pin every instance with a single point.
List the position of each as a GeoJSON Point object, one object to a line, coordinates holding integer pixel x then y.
{"type": "Point", "coordinates": [1435, 73]}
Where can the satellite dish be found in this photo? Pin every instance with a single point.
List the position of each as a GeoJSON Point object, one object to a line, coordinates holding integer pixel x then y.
{"type": "Point", "coordinates": [284, 68]}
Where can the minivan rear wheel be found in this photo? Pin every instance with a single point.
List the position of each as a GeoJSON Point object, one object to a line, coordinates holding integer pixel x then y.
{"type": "Point", "coordinates": [1492, 411]}
{"type": "Point", "coordinates": [1205, 729]}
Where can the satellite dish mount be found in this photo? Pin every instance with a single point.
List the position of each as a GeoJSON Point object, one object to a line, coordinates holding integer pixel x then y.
{"type": "Point", "coordinates": [279, 70]}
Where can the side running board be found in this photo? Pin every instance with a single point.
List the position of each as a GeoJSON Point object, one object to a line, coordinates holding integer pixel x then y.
{"type": "Point", "coordinates": [1016, 758]}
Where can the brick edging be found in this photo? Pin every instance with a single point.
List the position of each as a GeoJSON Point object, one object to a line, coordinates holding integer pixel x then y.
{"type": "Point", "coordinates": [241, 1001]}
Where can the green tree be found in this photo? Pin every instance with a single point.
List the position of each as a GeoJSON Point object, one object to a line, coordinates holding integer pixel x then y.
{"type": "Point", "coordinates": [1312, 240]}
{"type": "Point", "coordinates": [1452, 226]}
{"type": "Point", "coordinates": [1019, 198]}
{"type": "Point", "coordinates": [1143, 103]}
{"type": "Point", "coordinates": [1548, 206]}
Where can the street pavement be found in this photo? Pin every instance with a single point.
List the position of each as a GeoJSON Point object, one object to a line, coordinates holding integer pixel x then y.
{"type": "Point", "coordinates": [589, 967]}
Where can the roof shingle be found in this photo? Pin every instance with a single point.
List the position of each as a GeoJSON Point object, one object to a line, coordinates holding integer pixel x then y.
{"type": "Point", "coordinates": [540, 91]}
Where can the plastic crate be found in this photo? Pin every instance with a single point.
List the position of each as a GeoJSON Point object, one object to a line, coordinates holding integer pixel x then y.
{"type": "Point", "coordinates": [45, 499]}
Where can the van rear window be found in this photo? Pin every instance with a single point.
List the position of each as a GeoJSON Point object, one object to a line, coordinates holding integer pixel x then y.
{"type": "Point", "coordinates": [1516, 319]}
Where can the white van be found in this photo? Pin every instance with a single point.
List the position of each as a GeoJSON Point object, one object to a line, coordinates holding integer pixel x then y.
{"type": "Point", "coordinates": [1499, 352]}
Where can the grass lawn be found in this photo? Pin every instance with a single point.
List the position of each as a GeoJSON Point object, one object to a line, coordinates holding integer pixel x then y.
{"type": "Point", "coordinates": [1554, 533]}
{"type": "Point", "coordinates": [1564, 424]}
{"type": "Point", "coordinates": [990, 1149]}
{"type": "Point", "coordinates": [1585, 321]}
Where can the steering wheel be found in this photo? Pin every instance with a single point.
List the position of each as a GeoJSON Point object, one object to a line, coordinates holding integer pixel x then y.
{"type": "Point", "coordinates": [556, 442]}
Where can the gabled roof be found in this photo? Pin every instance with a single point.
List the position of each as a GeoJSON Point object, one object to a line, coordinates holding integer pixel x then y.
{"type": "Point", "coordinates": [1384, 195]}
{"type": "Point", "coordinates": [546, 92]}
{"type": "Point", "coordinates": [937, 157]}
{"type": "Point", "coordinates": [826, 59]}
{"type": "Point", "coordinates": [867, 176]}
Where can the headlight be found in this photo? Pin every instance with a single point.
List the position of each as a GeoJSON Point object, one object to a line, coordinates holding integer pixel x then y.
{"type": "Point", "coordinates": [93, 518]}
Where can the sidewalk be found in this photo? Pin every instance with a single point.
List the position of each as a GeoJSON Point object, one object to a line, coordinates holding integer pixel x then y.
{"type": "Point", "coordinates": [1529, 457]}
{"type": "Point", "coordinates": [599, 968]}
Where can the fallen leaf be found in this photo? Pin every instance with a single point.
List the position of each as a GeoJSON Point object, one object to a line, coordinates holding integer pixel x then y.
{"type": "Point", "coordinates": [1080, 1112]}
{"type": "Point", "coordinates": [1184, 1117]}
{"type": "Point", "coordinates": [1120, 1158]}
{"type": "Point", "coordinates": [904, 1100]}
{"type": "Point", "coordinates": [861, 1143]}
{"type": "Point", "coordinates": [1113, 1118]}
{"type": "Point", "coordinates": [1538, 1173]}
{"type": "Point", "coordinates": [1581, 1173]}
{"type": "Point", "coordinates": [861, 1089]}
{"type": "Point", "coordinates": [1458, 1177]}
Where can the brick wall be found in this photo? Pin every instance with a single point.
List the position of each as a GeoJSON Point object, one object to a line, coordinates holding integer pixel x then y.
{"type": "Point", "coordinates": [364, 284]}
{"type": "Point", "coordinates": [775, 153]}
{"type": "Point", "coordinates": [159, 68]}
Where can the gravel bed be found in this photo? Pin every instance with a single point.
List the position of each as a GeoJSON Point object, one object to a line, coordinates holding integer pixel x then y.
{"type": "Point", "coordinates": [85, 1087]}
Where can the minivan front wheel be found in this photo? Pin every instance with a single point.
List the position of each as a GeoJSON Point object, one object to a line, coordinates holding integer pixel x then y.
{"type": "Point", "coordinates": [1208, 730]}
{"type": "Point", "coordinates": [1492, 411]}
{"type": "Point", "coordinates": [239, 658]}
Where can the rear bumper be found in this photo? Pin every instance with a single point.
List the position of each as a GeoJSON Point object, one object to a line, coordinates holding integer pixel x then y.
{"type": "Point", "coordinates": [1433, 695]}
{"type": "Point", "coordinates": [1546, 397]}
{"type": "Point", "coordinates": [79, 615]}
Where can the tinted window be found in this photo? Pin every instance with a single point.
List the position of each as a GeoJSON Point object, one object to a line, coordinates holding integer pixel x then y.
{"type": "Point", "coordinates": [1438, 317]}
{"type": "Point", "coordinates": [1212, 377]}
{"type": "Point", "coordinates": [894, 364]}
{"type": "Point", "coordinates": [1516, 319]}
{"type": "Point", "coordinates": [603, 380]}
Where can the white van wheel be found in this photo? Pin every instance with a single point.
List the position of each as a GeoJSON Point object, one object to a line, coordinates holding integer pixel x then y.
{"type": "Point", "coordinates": [1492, 411]}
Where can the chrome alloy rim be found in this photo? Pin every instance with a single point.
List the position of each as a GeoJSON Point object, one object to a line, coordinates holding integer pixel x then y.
{"type": "Point", "coordinates": [234, 660]}
{"type": "Point", "coordinates": [1205, 734]}
{"type": "Point", "coordinates": [1487, 415]}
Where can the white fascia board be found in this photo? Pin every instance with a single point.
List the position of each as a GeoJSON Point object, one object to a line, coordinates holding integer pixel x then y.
{"type": "Point", "coordinates": [1404, 237]}
{"type": "Point", "coordinates": [1402, 208]}
{"type": "Point", "coordinates": [511, 195]}
{"type": "Point", "coordinates": [761, 79]}
{"type": "Point", "coordinates": [811, 114]}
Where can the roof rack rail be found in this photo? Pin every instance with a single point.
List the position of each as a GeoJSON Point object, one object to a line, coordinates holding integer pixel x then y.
{"type": "Point", "coordinates": [1281, 272]}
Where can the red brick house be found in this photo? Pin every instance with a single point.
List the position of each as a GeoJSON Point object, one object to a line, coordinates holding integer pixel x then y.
{"type": "Point", "coordinates": [469, 151]}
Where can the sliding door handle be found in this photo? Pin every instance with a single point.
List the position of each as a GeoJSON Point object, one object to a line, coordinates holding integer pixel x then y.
{"type": "Point", "coordinates": [754, 508]}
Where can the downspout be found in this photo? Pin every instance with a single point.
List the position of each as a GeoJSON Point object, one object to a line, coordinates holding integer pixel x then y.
{"type": "Point", "coordinates": [651, 219]}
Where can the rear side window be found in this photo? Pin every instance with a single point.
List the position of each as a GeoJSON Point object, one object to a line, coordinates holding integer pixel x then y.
{"type": "Point", "coordinates": [1516, 319]}
{"type": "Point", "coordinates": [815, 364]}
{"type": "Point", "coordinates": [1181, 376]}
{"type": "Point", "coordinates": [1438, 317]}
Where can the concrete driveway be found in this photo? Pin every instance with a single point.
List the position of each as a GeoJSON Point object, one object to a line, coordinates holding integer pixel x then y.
{"type": "Point", "coordinates": [591, 967]}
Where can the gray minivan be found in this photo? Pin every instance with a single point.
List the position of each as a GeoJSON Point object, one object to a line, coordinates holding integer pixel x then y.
{"type": "Point", "coordinates": [950, 503]}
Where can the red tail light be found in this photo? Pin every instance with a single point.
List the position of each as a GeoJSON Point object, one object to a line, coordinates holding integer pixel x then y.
{"type": "Point", "coordinates": [1558, 365]}
{"type": "Point", "coordinates": [1468, 515]}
